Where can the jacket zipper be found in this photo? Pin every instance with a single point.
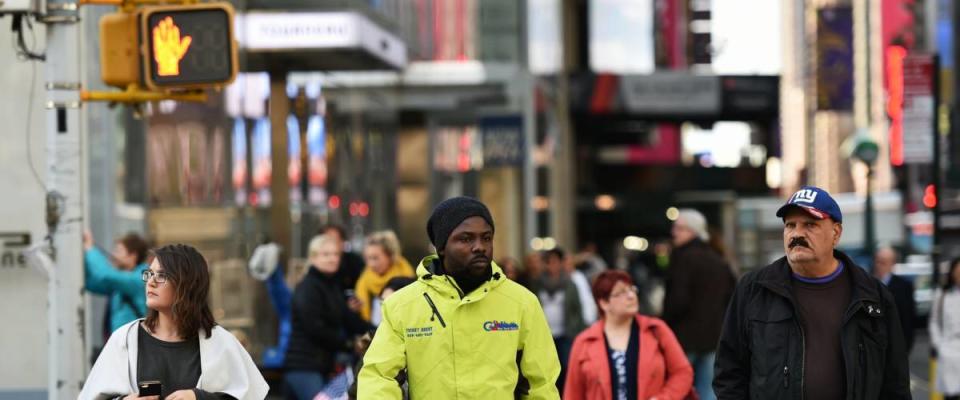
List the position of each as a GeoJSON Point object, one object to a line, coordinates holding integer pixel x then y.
{"type": "Point", "coordinates": [863, 364]}
{"type": "Point", "coordinates": [452, 283]}
{"type": "Point", "coordinates": [786, 377]}
{"type": "Point", "coordinates": [436, 312]}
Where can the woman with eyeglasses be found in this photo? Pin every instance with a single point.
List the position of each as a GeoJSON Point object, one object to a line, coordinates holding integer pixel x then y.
{"type": "Point", "coordinates": [179, 346]}
{"type": "Point", "coordinates": [625, 356]}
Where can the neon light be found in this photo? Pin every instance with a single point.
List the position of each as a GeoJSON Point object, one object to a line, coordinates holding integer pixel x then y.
{"type": "Point", "coordinates": [895, 56]}
{"type": "Point", "coordinates": [168, 47]}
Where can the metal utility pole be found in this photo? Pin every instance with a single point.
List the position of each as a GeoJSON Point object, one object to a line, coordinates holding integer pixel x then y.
{"type": "Point", "coordinates": [65, 200]}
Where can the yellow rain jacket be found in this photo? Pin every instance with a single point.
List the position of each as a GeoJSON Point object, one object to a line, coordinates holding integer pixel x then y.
{"type": "Point", "coordinates": [493, 343]}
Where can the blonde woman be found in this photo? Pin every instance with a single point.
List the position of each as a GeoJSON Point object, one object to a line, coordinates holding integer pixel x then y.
{"type": "Point", "coordinates": [384, 262]}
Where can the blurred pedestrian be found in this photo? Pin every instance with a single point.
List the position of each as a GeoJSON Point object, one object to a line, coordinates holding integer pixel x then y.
{"type": "Point", "coordinates": [532, 271]}
{"type": "Point", "coordinates": [323, 325]}
{"type": "Point", "coordinates": [698, 288]}
{"type": "Point", "coordinates": [179, 344]}
{"type": "Point", "coordinates": [120, 282]}
{"type": "Point", "coordinates": [351, 264]}
{"type": "Point", "coordinates": [592, 263]}
{"type": "Point", "coordinates": [883, 262]}
{"type": "Point", "coordinates": [625, 355]}
{"type": "Point", "coordinates": [462, 330]}
{"type": "Point", "coordinates": [384, 262]}
{"type": "Point", "coordinates": [511, 267]}
{"type": "Point", "coordinates": [945, 333]}
{"type": "Point", "coordinates": [813, 324]}
{"type": "Point", "coordinates": [562, 304]}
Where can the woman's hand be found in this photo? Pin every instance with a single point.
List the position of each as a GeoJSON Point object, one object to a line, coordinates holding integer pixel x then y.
{"type": "Point", "coordinates": [186, 394]}
{"type": "Point", "coordinates": [134, 396]}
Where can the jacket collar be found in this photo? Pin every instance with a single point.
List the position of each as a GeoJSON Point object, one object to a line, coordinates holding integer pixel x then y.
{"type": "Point", "coordinates": [447, 286]}
{"type": "Point", "coordinates": [594, 339]}
{"type": "Point", "coordinates": [777, 276]}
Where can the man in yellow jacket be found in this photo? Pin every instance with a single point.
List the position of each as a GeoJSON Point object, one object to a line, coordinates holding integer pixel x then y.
{"type": "Point", "coordinates": [463, 330]}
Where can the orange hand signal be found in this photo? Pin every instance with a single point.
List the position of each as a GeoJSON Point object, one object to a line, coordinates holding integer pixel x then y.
{"type": "Point", "coordinates": [168, 47]}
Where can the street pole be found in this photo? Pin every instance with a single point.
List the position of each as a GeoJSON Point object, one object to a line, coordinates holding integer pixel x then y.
{"type": "Point", "coordinates": [65, 200]}
{"type": "Point", "coordinates": [937, 171]}
{"type": "Point", "coordinates": [869, 236]}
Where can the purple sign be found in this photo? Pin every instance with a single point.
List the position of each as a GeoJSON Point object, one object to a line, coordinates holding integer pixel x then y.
{"type": "Point", "coordinates": [835, 58]}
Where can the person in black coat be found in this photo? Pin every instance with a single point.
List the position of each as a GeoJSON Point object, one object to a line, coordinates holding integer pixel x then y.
{"type": "Point", "coordinates": [322, 323]}
{"type": "Point", "coordinates": [699, 286]}
{"type": "Point", "coordinates": [812, 324]}
{"type": "Point", "coordinates": [902, 290]}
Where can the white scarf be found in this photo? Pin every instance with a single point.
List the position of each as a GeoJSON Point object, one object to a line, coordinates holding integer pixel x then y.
{"type": "Point", "coordinates": [225, 367]}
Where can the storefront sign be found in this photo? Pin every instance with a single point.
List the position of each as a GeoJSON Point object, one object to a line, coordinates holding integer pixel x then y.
{"type": "Point", "coordinates": [502, 141]}
{"type": "Point", "coordinates": [286, 31]}
{"type": "Point", "coordinates": [673, 93]}
{"type": "Point", "coordinates": [918, 109]}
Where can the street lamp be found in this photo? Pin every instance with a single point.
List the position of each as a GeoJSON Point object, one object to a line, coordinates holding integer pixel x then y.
{"type": "Point", "coordinates": [863, 148]}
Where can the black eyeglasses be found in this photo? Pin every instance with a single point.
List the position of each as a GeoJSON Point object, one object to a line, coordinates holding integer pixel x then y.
{"type": "Point", "coordinates": [159, 277]}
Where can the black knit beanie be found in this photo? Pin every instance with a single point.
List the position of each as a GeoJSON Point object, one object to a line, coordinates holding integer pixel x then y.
{"type": "Point", "coordinates": [449, 214]}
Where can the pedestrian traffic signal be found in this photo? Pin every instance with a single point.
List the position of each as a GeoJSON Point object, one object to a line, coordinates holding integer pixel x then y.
{"type": "Point", "coordinates": [166, 48]}
{"type": "Point", "coordinates": [188, 46]}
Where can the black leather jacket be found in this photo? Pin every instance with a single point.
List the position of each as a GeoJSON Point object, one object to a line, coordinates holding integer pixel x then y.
{"type": "Point", "coordinates": [761, 350]}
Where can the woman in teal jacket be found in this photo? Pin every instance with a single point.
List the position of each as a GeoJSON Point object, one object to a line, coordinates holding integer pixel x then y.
{"type": "Point", "coordinates": [121, 283]}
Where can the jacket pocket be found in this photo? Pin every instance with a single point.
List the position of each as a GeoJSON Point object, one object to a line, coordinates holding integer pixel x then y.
{"type": "Point", "coordinates": [770, 336]}
{"type": "Point", "coordinates": [871, 361]}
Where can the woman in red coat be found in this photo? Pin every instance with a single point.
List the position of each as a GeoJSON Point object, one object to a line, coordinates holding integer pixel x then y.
{"type": "Point", "coordinates": [625, 356]}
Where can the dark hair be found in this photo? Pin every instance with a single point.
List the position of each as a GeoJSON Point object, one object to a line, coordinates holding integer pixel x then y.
{"type": "Point", "coordinates": [186, 270]}
{"type": "Point", "coordinates": [603, 285]}
{"type": "Point", "coordinates": [334, 227]}
{"type": "Point", "coordinates": [554, 252]}
{"type": "Point", "coordinates": [948, 283]}
{"type": "Point", "coordinates": [135, 244]}
{"type": "Point", "coordinates": [398, 282]}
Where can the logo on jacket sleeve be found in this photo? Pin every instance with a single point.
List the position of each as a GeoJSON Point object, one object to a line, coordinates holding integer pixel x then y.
{"type": "Point", "coordinates": [490, 326]}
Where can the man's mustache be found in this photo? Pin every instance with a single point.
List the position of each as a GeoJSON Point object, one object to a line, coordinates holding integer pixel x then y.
{"type": "Point", "coordinates": [799, 241]}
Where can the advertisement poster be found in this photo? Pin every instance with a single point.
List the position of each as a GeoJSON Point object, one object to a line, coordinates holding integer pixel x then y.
{"type": "Point", "coordinates": [261, 163]}
{"type": "Point", "coordinates": [240, 169]}
{"type": "Point", "coordinates": [316, 161]}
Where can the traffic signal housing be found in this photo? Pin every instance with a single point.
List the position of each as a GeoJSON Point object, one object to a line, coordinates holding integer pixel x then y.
{"type": "Point", "coordinates": [169, 48]}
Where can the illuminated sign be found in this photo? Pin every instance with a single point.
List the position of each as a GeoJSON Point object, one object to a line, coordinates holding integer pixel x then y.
{"type": "Point", "coordinates": [188, 46]}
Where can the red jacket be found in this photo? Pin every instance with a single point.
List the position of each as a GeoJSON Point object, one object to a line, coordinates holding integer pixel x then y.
{"type": "Point", "coordinates": [663, 373]}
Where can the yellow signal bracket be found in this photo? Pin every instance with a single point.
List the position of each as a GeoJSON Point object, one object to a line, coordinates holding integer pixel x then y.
{"type": "Point", "coordinates": [131, 5]}
{"type": "Point", "coordinates": [135, 95]}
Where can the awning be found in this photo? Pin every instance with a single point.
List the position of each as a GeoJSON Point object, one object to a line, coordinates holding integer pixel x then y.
{"type": "Point", "coordinates": [317, 41]}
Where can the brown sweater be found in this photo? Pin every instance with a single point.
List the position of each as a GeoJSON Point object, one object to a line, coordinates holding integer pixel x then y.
{"type": "Point", "coordinates": [821, 308]}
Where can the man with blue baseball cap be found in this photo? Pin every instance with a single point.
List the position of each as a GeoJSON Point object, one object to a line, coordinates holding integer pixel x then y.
{"type": "Point", "coordinates": [812, 325]}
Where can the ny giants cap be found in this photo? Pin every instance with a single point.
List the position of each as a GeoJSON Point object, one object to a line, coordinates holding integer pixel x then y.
{"type": "Point", "coordinates": [815, 201]}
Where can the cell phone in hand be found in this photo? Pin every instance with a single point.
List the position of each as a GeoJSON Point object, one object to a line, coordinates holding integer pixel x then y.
{"type": "Point", "coordinates": [149, 388]}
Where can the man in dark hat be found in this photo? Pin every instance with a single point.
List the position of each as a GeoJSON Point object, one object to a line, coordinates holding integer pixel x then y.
{"type": "Point", "coordinates": [812, 325]}
{"type": "Point", "coordinates": [462, 330]}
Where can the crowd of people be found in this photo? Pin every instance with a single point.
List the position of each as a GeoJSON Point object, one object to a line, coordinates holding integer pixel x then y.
{"type": "Point", "coordinates": [461, 325]}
